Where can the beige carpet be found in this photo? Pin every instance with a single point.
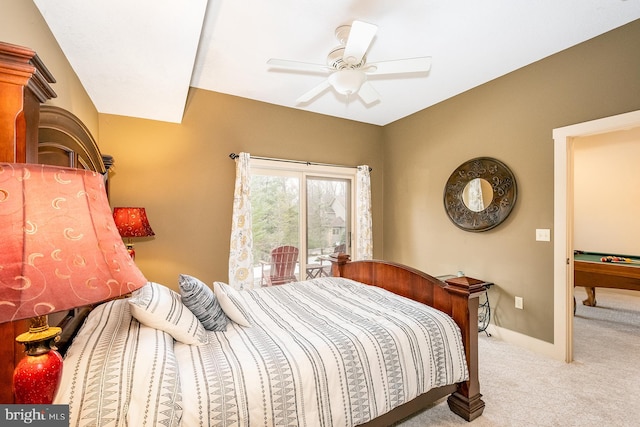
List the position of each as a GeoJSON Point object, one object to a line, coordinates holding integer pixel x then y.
{"type": "Point", "coordinates": [601, 388]}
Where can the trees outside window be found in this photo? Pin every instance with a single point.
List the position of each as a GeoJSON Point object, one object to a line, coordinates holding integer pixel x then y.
{"type": "Point", "coordinates": [303, 206]}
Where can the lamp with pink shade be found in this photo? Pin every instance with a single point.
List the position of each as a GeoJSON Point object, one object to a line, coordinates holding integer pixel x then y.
{"type": "Point", "coordinates": [60, 250]}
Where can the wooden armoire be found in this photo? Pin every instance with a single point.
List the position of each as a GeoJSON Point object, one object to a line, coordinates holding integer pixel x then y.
{"type": "Point", "coordinates": [24, 85]}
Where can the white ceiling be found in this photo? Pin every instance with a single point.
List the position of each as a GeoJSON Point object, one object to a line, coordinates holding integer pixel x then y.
{"type": "Point", "coordinates": [138, 57]}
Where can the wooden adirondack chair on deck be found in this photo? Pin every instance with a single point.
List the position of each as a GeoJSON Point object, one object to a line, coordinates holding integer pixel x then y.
{"type": "Point", "coordinates": [281, 267]}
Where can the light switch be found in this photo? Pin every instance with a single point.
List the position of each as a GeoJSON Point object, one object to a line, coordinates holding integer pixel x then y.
{"type": "Point", "coordinates": [543, 234]}
{"type": "Point", "coordinates": [519, 303]}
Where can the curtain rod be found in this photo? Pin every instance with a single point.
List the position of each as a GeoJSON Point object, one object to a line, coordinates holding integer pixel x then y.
{"type": "Point", "coordinates": [235, 156]}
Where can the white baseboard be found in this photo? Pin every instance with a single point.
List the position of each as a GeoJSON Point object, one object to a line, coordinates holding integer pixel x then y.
{"type": "Point", "coordinates": [521, 340]}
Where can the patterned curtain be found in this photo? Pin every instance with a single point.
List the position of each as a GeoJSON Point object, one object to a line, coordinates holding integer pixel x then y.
{"type": "Point", "coordinates": [364, 246]}
{"type": "Point", "coordinates": [240, 255]}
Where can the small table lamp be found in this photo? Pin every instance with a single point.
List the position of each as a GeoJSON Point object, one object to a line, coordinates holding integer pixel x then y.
{"type": "Point", "coordinates": [60, 250]}
{"type": "Point", "coordinates": [132, 222]}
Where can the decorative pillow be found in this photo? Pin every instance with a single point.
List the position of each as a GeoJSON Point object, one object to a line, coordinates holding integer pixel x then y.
{"type": "Point", "coordinates": [200, 299]}
{"type": "Point", "coordinates": [159, 307]}
{"type": "Point", "coordinates": [231, 303]}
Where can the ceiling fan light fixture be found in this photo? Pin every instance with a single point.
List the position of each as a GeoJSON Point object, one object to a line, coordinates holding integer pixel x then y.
{"type": "Point", "coordinates": [347, 82]}
{"type": "Point", "coordinates": [348, 68]}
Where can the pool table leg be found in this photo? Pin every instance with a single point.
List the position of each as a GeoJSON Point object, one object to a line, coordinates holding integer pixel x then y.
{"type": "Point", "coordinates": [591, 297]}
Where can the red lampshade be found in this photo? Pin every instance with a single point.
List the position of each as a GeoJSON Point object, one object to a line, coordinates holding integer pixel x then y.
{"type": "Point", "coordinates": [132, 222]}
{"type": "Point", "coordinates": [60, 246]}
{"type": "Point", "coordinates": [60, 250]}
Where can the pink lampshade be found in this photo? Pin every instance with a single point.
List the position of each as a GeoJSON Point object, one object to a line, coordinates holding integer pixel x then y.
{"type": "Point", "coordinates": [60, 246]}
{"type": "Point", "coordinates": [132, 222]}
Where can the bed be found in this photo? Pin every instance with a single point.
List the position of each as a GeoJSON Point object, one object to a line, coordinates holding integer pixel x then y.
{"type": "Point", "coordinates": [334, 351]}
{"type": "Point", "coordinates": [139, 352]}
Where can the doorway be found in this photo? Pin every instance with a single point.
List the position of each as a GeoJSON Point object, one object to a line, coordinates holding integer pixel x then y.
{"type": "Point", "coordinates": [564, 140]}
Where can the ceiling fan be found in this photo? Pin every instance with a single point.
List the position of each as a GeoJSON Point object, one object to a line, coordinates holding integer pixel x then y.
{"type": "Point", "coordinates": [348, 68]}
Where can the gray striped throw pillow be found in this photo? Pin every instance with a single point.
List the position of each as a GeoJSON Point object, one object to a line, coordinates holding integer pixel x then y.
{"type": "Point", "coordinates": [201, 300]}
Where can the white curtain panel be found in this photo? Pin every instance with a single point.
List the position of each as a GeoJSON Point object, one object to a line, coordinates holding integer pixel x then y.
{"type": "Point", "coordinates": [364, 246]}
{"type": "Point", "coordinates": [240, 255]}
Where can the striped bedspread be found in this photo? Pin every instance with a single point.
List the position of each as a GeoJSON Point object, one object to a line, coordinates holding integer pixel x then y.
{"type": "Point", "coordinates": [324, 352]}
{"type": "Point", "coordinates": [118, 372]}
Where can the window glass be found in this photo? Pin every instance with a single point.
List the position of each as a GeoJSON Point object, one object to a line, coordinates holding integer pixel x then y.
{"type": "Point", "coordinates": [309, 208]}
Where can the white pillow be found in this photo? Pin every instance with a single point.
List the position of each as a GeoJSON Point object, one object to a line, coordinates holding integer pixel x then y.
{"type": "Point", "coordinates": [199, 298]}
{"type": "Point", "coordinates": [231, 303]}
{"type": "Point", "coordinates": [159, 307]}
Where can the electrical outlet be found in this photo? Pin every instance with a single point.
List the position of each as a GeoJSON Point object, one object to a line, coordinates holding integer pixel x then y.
{"type": "Point", "coordinates": [519, 303]}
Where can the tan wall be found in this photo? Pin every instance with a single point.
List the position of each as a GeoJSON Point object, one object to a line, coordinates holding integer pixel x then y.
{"type": "Point", "coordinates": [607, 192]}
{"type": "Point", "coordinates": [21, 24]}
{"type": "Point", "coordinates": [511, 119]}
{"type": "Point", "coordinates": [183, 176]}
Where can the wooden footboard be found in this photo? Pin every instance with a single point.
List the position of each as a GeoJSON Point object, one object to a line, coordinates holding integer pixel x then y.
{"type": "Point", "coordinates": [458, 297]}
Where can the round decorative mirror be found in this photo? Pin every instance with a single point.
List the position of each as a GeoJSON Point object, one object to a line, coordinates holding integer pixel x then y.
{"type": "Point", "coordinates": [480, 194]}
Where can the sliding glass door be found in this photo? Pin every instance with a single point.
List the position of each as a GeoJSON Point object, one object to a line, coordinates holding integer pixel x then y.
{"type": "Point", "coordinates": [309, 210]}
{"type": "Point", "coordinates": [328, 222]}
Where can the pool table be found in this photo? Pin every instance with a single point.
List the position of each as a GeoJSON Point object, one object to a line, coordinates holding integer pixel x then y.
{"type": "Point", "coordinates": [591, 272]}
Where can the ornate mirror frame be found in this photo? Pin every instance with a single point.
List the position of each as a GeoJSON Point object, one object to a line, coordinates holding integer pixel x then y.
{"type": "Point", "coordinates": [503, 184]}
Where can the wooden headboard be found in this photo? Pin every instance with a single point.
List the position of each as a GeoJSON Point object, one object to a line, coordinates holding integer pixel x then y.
{"type": "Point", "coordinates": [63, 140]}
{"type": "Point", "coordinates": [35, 133]}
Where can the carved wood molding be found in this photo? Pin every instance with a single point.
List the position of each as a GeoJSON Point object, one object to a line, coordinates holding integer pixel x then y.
{"type": "Point", "coordinates": [22, 66]}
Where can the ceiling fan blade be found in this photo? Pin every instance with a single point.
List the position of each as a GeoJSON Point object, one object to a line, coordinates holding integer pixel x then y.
{"type": "Point", "coordinates": [314, 92]}
{"type": "Point", "coordinates": [399, 66]}
{"type": "Point", "coordinates": [368, 94]}
{"type": "Point", "coordinates": [360, 37]}
{"type": "Point", "coordinates": [297, 65]}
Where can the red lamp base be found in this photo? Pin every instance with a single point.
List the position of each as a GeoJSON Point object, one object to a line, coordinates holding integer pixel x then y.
{"type": "Point", "coordinates": [131, 251]}
{"type": "Point", "coordinates": [36, 378]}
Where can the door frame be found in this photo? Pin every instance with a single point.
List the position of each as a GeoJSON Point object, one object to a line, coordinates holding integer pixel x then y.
{"type": "Point", "coordinates": [564, 142]}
